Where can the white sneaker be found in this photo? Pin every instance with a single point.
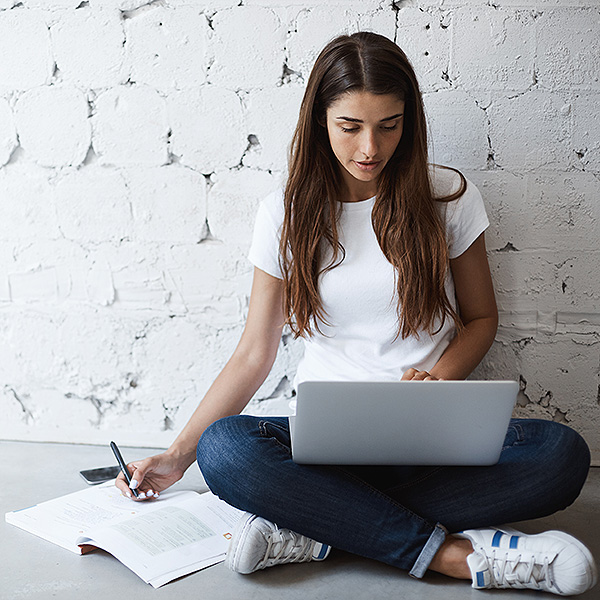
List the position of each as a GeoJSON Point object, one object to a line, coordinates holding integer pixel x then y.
{"type": "Point", "coordinates": [257, 543]}
{"type": "Point", "coordinates": [552, 561]}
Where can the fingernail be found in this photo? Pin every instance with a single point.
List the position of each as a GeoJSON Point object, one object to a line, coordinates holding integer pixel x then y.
{"type": "Point", "coordinates": [156, 495]}
{"type": "Point", "coordinates": [149, 493]}
{"type": "Point", "coordinates": [128, 494]}
{"type": "Point", "coordinates": [133, 484]}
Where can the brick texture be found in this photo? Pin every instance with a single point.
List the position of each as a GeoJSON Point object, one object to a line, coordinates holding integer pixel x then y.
{"type": "Point", "coordinates": [138, 137]}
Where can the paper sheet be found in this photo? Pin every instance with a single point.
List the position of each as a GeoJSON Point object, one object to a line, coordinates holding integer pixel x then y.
{"type": "Point", "coordinates": [159, 540]}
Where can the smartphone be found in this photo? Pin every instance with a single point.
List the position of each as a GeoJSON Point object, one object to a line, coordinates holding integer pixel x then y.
{"type": "Point", "coordinates": [100, 475]}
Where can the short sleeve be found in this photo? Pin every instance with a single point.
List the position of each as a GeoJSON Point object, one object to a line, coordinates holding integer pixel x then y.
{"type": "Point", "coordinates": [465, 218]}
{"type": "Point", "coordinates": [264, 250]}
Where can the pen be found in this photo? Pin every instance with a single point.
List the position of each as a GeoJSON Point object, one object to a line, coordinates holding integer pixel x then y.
{"type": "Point", "coordinates": [123, 466]}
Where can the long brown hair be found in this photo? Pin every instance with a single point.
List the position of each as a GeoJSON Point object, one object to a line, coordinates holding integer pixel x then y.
{"type": "Point", "coordinates": [407, 224]}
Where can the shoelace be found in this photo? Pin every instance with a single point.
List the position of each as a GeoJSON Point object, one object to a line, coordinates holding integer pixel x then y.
{"type": "Point", "coordinates": [518, 572]}
{"type": "Point", "coordinates": [285, 546]}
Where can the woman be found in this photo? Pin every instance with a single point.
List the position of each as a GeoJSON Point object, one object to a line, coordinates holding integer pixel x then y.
{"type": "Point", "coordinates": [378, 261]}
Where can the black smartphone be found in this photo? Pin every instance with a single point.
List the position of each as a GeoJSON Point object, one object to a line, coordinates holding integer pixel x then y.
{"type": "Point", "coordinates": [100, 475]}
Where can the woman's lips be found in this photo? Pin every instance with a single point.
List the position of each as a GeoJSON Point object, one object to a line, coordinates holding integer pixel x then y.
{"type": "Point", "coordinates": [367, 166]}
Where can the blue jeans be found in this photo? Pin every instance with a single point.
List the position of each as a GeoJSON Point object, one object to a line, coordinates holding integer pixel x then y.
{"type": "Point", "coordinates": [396, 515]}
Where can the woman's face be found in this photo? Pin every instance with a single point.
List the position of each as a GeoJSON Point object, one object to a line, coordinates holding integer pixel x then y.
{"type": "Point", "coordinates": [364, 130]}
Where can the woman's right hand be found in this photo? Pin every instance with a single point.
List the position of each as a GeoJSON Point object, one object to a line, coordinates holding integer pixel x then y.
{"type": "Point", "coordinates": [152, 475]}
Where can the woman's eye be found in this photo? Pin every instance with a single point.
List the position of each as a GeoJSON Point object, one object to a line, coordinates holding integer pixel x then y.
{"type": "Point", "coordinates": [390, 127]}
{"type": "Point", "coordinates": [348, 129]}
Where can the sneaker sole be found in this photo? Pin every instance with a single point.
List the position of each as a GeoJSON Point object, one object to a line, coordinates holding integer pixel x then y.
{"type": "Point", "coordinates": [565, 537]}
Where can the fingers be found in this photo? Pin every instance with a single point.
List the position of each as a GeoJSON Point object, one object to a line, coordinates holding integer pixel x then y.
{"type": "Point", "coordinates": [143, 494]}
{"type": "Point", "coordinates": [122, 485]}
{"type": "Point", "coordinates": [409, 374]}
{"type": "Point", "coordinates": [424, 376]}
{"type": "Point", "coordinates": [416, 375]}
{"type": "Point", "coordinates": [139, 472]}
{"type": "Point", "coordinates": [137, 475]}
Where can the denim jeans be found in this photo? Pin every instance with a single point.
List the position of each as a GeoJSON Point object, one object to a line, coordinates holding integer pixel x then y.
{"type": "Point", "coordinates": [397, 515]}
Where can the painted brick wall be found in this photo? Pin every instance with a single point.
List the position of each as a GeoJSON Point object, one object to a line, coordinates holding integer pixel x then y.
{"type": "Point", "coordinates": [137, 137]}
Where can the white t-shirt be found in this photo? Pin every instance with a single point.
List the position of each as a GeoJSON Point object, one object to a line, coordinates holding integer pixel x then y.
{"type": "Point", "coordinates": [359, 294]}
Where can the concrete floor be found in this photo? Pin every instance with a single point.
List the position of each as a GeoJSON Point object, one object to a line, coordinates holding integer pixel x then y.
{"type": "Point", "coordinates": [34, 569]}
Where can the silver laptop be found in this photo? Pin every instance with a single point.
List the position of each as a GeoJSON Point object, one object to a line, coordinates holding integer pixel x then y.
{"type": "Point", "coordinates": [401, 423]}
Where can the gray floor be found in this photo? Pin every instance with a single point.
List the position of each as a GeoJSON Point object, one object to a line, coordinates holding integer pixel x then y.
{"type": "Point", "coordinates": [37, 570]}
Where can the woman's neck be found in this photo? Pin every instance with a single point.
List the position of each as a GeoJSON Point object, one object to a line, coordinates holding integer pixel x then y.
{"type": "Point", "coordinates": [357, 191]}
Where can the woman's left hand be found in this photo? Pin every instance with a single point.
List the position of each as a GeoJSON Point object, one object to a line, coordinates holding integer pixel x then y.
{"type": "Point", "coordinates": [415, 375]}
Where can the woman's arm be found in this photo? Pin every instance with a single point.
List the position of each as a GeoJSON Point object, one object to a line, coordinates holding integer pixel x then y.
{"type": "Point", "coordinates": [479, 314]}
{"type": "Point", "coordinates": [246, 370]}
{"type": "Point", "coordinates": [243, 374]}
{"type": "Point", "coordinates": [478, 311]}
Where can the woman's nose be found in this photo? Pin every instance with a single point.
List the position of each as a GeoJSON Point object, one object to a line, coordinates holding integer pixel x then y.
{"type": "Point", "coordinates": [368, 145]}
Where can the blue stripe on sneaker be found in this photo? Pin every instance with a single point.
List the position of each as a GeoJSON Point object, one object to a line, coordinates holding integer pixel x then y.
{"type": "Point", "coordinates": [480, 580]}
{"type": "Point", "coordinates": [496, 539]}
{"type": "Point", "coordinates": [514, 540]}
{"type": "Point", "coordinates": [323, 552]}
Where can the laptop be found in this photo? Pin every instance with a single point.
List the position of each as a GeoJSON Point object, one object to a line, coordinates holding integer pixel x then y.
{"type": "Point", "coordinates": [401, 422]}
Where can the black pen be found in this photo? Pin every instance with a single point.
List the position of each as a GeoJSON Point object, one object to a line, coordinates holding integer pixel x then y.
{"type": "Point", "coordinates": [123, 466]}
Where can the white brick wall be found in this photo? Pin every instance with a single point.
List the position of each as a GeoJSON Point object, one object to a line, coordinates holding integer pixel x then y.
{"type": "Point", "coordinates": [53, 125]}
{"type": "Point", "coordinates": [137, 138]}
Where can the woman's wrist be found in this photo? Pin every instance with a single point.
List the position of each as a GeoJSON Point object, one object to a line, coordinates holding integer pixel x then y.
{"type": "Point", "coordinates": [181, 456]}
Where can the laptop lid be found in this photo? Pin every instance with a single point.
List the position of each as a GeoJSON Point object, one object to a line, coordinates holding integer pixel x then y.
{"type": "Point", "coordinates": [401, 422]}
